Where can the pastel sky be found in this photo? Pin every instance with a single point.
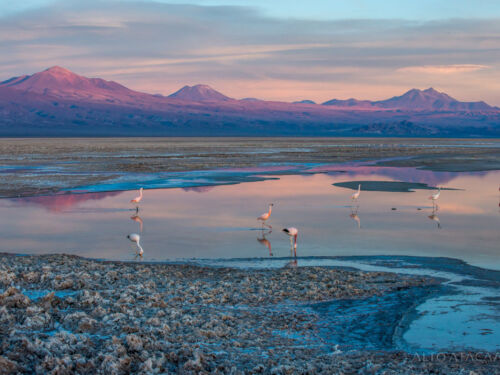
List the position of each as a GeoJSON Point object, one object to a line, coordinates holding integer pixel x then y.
{"type": "Point", "coordinates": [276, 50]}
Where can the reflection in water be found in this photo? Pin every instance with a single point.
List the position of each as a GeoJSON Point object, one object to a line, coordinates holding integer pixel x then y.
{"type": "Point", "coordinates": [435, 218]}
{"type": "Point", "coordinates": [138, 219]}
{"type": "Point", "coordinates": [395, 173]}
{"type": "Point", "coordinates": [199, 189]}
{"type": "Point", "coordinates": [354, 215]}
{"type": "Point", "coordinates": [63, 202]}
{"type": "Point", "coordinates": [215, 218]}
{"type": "Point", "coordinates": [265, 242]}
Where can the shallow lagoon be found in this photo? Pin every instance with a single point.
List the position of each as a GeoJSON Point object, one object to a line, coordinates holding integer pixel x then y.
{"type": "Point", "coordinates": [220, 221]}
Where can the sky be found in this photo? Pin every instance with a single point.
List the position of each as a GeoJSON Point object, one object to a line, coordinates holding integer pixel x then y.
{"type": "Point", "coordinates": [273, 50]}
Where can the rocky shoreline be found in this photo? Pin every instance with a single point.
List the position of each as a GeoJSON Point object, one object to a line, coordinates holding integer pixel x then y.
{"type": "Point", "coordinates": [63, 314]}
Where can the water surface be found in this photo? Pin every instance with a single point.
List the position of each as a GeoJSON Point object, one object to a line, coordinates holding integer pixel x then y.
{"type": "Point", "coordinates": [220, 221]}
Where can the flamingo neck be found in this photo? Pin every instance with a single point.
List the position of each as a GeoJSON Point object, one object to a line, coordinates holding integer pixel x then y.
{"type": "Point", "coordinates": [270, 209]}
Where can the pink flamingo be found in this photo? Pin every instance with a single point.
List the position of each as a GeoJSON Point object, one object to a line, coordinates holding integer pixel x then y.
{"type": "Point", "coordinates": [292, 232]}
{"type": "Point", "coordinates": [266, 216]}
{"type": "Point", "coordinates": [355, 196]}
{"type": "Point", "coordinates": [134, 237]}
{"type": "Point", "coordinates": [434, 197]}
{"type": "Point", "coordinates": [137, 199]}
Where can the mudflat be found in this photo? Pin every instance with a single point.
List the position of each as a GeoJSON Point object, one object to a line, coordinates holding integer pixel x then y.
{"type": "Point", "coordinates": [48, 165]}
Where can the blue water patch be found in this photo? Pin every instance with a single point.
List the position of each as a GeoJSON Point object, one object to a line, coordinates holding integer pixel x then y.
{"type": "Point", "coordinates": [460, 314]}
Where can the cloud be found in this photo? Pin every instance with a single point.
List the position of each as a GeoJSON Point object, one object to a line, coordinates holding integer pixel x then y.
{"type": "Point", "coordinates": [443, 69]}
{"type": "Point", "coordinates": [159, 47]}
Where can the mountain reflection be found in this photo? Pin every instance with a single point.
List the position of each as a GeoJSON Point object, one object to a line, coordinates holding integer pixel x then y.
{"type": "Point", "coordinates": [62, 202]}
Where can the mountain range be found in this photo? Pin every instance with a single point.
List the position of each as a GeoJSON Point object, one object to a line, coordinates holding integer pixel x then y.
{"type": "Point", "coordinates": [57, 101]}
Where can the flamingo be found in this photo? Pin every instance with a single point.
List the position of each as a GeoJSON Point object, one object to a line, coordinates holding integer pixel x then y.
{"type": "Point", "coordinates": [434, 197]}
{"type": "Point", "coordinates": [265, 242]}
{"type": "Point", "coordinates": [266, 216]}
{"type": "Point", "coordinates": [355, 196]}
{"type": "Point", "coordinates": [134, 237]}
{"type": "Point", "coordinates": [137, 199]}
{"type": "Point", "coordinates": [292, 232]}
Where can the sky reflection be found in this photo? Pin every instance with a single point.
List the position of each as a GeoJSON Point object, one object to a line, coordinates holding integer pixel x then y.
{"type": "Point", "coordinates": [221, 221]}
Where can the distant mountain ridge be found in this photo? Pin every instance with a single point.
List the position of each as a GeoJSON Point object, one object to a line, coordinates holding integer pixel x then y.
{"type": "Point", "coordinates": [57, 101]}
{"type": "Point", "coordinates": [416, 100]}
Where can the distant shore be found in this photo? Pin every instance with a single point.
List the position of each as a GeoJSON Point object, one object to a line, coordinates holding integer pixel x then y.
{"type": "Point", "coordinates": [69, 314]}
{"type": "Point", "coordinates": [42, 166]}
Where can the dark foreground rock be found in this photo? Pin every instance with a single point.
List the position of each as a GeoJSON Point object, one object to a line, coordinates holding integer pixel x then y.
{"type": "Point", "coordinates": [64, 314]}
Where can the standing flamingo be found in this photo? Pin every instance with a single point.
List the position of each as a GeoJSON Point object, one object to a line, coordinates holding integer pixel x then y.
{"type": "Point", "coordinates": [292, 233]}
{"type": "Point", "coordinates": [137, 199]}
{"type": "Point", "coordinates": [134, 237]}
{"type": "Point", "coordinates": [434, 197]}
{"type": "Point", "coordinates": [355, 196]}
{"type": "Point", "coordinates": [266, 216]}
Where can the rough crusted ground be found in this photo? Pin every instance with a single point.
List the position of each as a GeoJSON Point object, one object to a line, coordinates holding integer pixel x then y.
{"type": "Point", "coordinates": [64, 314]}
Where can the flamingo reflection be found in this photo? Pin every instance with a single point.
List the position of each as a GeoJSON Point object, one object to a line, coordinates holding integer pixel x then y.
{"type": "Point", "coordinates": [138, 219]}
{"type": "Point", "coordinates": [355, 217]}
{"type": "Point", "coordinates": [265, 242]}
{"type": "Point", "coordinates": [435, 218]}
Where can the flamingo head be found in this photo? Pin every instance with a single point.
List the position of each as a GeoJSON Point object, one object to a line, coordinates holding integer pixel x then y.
{"type": "Point", "coordinates": [271, 204]}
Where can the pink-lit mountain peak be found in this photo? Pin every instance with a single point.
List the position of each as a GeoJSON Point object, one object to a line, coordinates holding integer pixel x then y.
{"type": "Point", "coordinates": [60, 82]}
{"type": "Point", "coordinates": [199, 93]}
{"type": "Point", "coordinates": [415, 100]}
{"type": "Point", "coordinates": [429, 99]}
